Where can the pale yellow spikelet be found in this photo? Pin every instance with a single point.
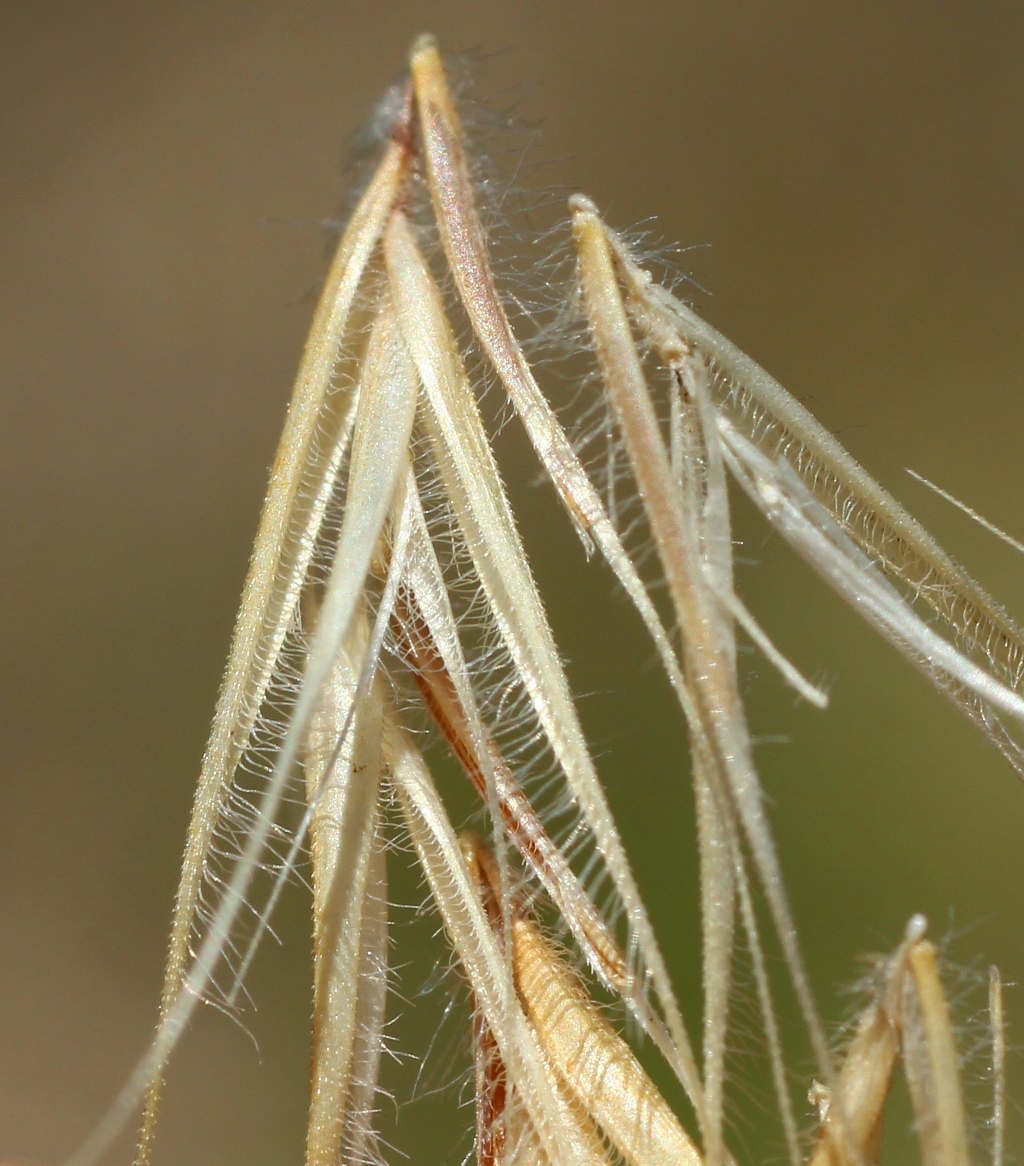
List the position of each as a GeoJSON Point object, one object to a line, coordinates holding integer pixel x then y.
{"type": "Point", "coordinates": [392, 600]}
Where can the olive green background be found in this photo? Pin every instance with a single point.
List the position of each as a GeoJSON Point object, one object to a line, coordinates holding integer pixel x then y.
{"type": "Point", "coordinates": [858, 171]}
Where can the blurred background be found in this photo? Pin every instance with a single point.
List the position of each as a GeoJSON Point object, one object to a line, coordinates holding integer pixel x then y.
{"type": "Point", "coordinates": [851, 178]}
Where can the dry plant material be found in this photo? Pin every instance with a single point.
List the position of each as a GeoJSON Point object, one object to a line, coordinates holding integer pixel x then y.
{"type": "Point", "coordinates": [589, 1062]}
{"type": "Point", "coordinates": [908, 1018]}
{"type": "Point", "coordinates": [389, 586]}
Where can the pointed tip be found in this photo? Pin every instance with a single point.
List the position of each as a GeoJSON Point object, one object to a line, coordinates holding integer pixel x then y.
{"type": "Point", "coordinates": [580, 204]}
{"type": "Point", "coordinates": [917, 926]}
{"type": "Point", "coordinates": [425, 43]}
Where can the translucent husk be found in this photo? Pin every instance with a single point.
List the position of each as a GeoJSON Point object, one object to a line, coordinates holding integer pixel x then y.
{"type": "Point", "coordinates": [387, 512]}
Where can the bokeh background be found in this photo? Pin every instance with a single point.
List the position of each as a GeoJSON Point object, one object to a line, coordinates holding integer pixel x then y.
{"type": "Point", "coordinates": [857, 170]}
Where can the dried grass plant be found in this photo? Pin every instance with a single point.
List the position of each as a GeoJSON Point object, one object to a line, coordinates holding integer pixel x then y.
{"type": "Point", "coordinates": [390, 604]}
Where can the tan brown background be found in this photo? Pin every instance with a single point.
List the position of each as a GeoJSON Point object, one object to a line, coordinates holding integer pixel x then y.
{"type": "Point", "coordinates": [858, 169]}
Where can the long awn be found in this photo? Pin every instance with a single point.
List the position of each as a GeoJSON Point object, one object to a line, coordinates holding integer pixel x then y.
{"type": "Point", "coordinates": [389, 587]}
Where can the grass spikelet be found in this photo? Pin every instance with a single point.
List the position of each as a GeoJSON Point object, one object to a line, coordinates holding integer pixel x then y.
{"type": "Point", "coordinates": [391, 602]}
